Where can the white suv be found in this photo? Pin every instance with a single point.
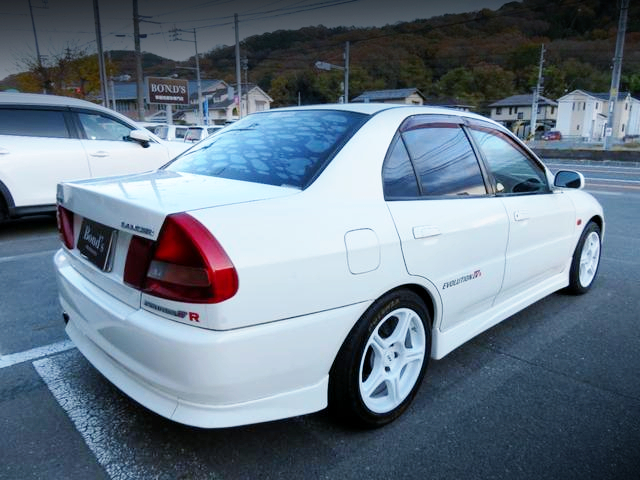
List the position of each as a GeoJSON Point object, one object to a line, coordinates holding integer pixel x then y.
{"type": "Point", "coordinates": [46, 139]}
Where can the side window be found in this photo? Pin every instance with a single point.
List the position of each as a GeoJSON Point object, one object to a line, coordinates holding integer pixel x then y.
{"type": "Point", "coordinates": [99, 127]}
{"type": "Point", "coordinates": [33, 123]}
{"type": "Point", "coordinates": [514, 172]}
{"type": "Point", "coordinates": [444, 160]}
{"type": "Point", "coordinates": [397, 173]}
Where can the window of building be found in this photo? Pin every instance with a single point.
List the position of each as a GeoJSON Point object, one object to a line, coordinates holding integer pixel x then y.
{"type": "Point", "coordinates": [498, 110]}
{"type": "Point", "coordinates": [584, 106]}
{"type": "Point", "coordinates": [553, 109]}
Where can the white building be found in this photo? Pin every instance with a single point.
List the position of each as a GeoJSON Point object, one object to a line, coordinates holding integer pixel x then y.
{"type": "Point", "coordinates": [515, 113]}
{"type": "Point", "coordinates": [584, 115]}
{"type": "Point", "coordinates": [222, 103]}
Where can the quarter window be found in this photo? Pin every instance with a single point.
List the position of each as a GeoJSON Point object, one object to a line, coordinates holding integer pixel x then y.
{"type": "Point", "coordinates": [513, 171]}
{"type": "Point", "coordinates": [399, 177]}
{"type": "Point", "coordinates": [33, 123]}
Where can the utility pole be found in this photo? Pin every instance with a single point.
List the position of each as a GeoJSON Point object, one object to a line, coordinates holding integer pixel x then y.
{"type": "Point", "coordinates": [615, 77]}
{"type": "Point", "coordinates": [176, 37]}
{"type": "Point", "coordinates": [346, 73]}
{"type": "Point", "coordinates": [39, 59]}
{"type": "Point", "coordinates": [238, 77]}
{"type": "Point", "coordinates": [104, 90]}
{"type": "Point", "coordinates": [536, 97]}
{"type": "Point", "coordinates": [138, 57]}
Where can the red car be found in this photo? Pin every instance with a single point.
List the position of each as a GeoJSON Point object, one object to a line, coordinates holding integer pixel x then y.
{"type": "Point", "coordinates": [552, 135]}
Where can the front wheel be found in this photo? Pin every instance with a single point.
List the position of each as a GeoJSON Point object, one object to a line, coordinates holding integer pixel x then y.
{"type": "Point", "coordinates": [586, 260]}
{"type": "Point", "coordinates": [382, 362]}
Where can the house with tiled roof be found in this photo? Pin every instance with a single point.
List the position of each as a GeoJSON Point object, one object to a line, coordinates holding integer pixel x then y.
{"type": "Point", "coordinates": [222, 104]}
{"type": "Point", "coordinates": [584, 115]}
{"type": "Point", "coordinates": [219, 99]}
{"type": "Point", "coordinates": [514, 112]}
{"type": "Point", "coordinates": [409, 96]}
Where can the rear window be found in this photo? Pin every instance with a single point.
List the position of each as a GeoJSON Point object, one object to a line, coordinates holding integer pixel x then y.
{"type": "Point", "coordinates": [287, 148]}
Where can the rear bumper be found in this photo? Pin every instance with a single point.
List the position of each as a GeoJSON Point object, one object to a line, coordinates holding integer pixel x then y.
{"type": "Point", "coordinates": [202, 377]}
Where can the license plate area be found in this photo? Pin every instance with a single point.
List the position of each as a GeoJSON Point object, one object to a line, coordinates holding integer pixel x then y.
{"type": "Point", "coordinates": [96, 242]}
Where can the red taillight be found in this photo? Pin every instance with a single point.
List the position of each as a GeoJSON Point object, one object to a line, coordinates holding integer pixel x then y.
{"type": "Point", "coordinates": [186, 264]}
{"type": "Point", "coordinates": [64, 218]}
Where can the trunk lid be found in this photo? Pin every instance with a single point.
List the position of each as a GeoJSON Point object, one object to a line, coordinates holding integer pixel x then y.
{"type": "Point", "coordinates": [138, 204]}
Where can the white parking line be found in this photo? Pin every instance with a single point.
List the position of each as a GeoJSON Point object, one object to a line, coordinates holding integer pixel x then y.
{"type": "Point", "coordinates": [26, 256]}
{"type": "Point", "coordinates": [34, 353]}
{"type": "Point", "coordinates": [110, 424]}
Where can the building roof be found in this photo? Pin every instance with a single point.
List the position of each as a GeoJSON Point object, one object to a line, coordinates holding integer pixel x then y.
{"type": "Point", "coordinates": [382, 95]}
{"type": "Point", "coordinates": [523, 100]}
{"type": "Point", "coordinates": [600, 96]}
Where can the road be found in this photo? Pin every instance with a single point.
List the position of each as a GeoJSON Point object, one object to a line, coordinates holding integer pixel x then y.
{"type": "Point", "coordinates": [553, 392]}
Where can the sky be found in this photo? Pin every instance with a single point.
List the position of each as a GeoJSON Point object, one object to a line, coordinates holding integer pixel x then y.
{"type": "Point", "coordinates": [71, 23]}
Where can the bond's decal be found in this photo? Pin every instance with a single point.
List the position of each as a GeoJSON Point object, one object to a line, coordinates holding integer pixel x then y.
{"type": "Point", "coordinates": [466, 278]}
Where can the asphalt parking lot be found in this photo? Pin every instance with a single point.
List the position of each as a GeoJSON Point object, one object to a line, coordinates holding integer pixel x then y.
{"type": "Point", "coordinates": [551, 393]}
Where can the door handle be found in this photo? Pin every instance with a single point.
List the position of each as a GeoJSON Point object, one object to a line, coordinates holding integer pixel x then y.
{"type": "Point", "coordinates": [520, 215]}
{"type": "Point", "coordinates": [100, 154]}
{"type": "Point", "coordinates": [426, 231]}
{"type": "Point", "coordinates": [4, 151]}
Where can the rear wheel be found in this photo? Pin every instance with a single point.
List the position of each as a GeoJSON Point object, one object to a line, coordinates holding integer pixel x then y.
{"type": "Point", "coordinates": [380, 366]}
{"type": "Point", "coordinates": [586, 260]}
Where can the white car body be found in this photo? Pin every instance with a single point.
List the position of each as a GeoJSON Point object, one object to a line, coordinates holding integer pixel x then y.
{"type": "Point", "coordinates": [33, 163]}
{"type": "Point", "coordinates": [309, 264]}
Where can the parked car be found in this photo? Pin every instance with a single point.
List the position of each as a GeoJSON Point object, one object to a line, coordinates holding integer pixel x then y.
{"type": "Point", "coordinates": [196, 133]}
{"type": "Point", "coordinates": [552, 135]}
{"type": "Point", "coordinates": [315, 256]}
{"type": "Point", "coordinates": [151, 126]}
{"type": "Point", "coordinates": [46, 139]}
{"type": "Point", "coordinates": [172, 133]}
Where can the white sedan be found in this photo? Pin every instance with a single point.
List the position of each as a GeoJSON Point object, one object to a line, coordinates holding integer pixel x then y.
{"type": "Point", "coordinates": [315, 256]}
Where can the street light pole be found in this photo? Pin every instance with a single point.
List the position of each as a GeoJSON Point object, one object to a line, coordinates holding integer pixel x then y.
{"type": "Point", "coordinates": [330, 66]}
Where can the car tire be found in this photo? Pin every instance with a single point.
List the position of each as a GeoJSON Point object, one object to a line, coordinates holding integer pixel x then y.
{"type": "Point", "coordinates": [381, 364]}
{"type": "Point", "coordinates": [586, 260]}
{"type": "Point", "coordinates": [4, 210]}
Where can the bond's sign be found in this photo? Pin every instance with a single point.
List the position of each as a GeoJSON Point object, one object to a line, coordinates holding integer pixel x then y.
{"type": "Point", "coordinates": [168, 90]}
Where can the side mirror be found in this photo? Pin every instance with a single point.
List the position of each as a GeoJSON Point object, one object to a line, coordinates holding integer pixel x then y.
{"type": "Point", "coordinates": [569, 179]}
{"type": "Point", "coordinates": [141, 137]}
